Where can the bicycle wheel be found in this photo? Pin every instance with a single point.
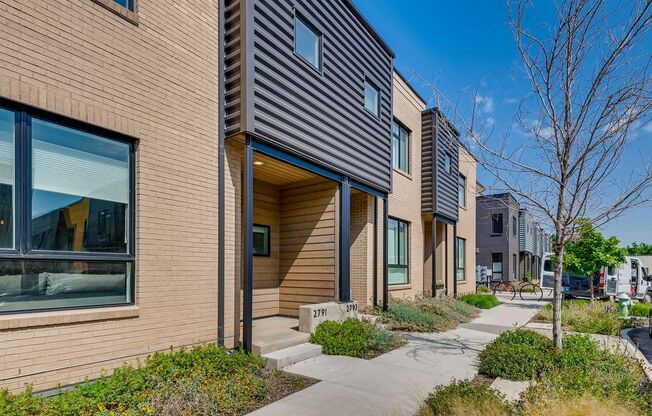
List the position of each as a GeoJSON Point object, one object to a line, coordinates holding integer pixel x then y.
{"type": "Point", "coordinates": [505, 289]}
{"type": "Point", "coordinates": [530, 291]}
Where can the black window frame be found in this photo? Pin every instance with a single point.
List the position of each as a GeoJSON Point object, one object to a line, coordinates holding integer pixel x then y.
{"type": "Point", "coordinates": [320, 42]}
{"type": "Point", "coordinates": [460, 267]}
{"type": "Point", "coordinates": [22, 250]}
{"type": "Point", "coordinates": [373, 85]}
{"type": "Point", "coordinates": [269, 241]}
{"type": "Point", "coordinates": [461, 190]}
{"type": "Point", "coordinates": [408, 138]}
{"type": "Point", "coordinates": [502, 266]}
{"type": "Point", "coordinates": [514, 226]}
{"type": "Point", "coordinates": [405, 266]}
{"type": "Point", "coordinates": [496, 218]}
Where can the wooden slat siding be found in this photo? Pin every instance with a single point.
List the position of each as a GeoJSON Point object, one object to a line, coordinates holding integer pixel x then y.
{"type": "Point", "coordinates": [318, 114]}
{"type": "Point", "coordinates": [233, 67]}
{"type": "Point", "coordinates": [266, 269]}
{"type": "Point", "coordinates": [439, 188]}
{"type": "Point", "coordinates": [307, 246]}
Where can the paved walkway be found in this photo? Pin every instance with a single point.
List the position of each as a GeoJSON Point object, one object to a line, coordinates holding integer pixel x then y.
{"type": "Point", "coordinates": [397, 382]}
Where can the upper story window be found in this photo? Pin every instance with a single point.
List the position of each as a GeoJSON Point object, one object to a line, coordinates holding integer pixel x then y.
{"type": "Point", "coordinates": [307, 42]}
{"type": "Point", "coordinates": [448, 166]}
{"type": "Point", "coordinates": [371, 98]}
{"type": "Point", "coordinates": [66, 215]}
{"type": "Point", "coordinates": [128, 4]}
{"type": "Point", "coordinates": [461, 191]}
{"type": "Point", "coordinates": [514, 227]}
{"type": "Point", "coordinates": [400, 148]}
{"type": "Point", "coordinates": [496, 223]}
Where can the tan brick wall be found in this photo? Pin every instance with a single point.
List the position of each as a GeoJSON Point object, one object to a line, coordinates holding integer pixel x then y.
{"type": "Point", "coordinates": [157, 81]}
{"type": "Point", "coordinates": [466, 223]}
{"type": "Point", "coordinates": [405, 199]}
{"type": "Point", "coordinates": [362, 229]}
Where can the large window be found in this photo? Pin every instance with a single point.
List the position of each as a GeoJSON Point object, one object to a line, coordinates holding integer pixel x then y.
{"type": "Point", "coordinates": [461, 191]}
{"type": "Point", "coordinates": [460, 260]}
{"type": "Point", "coordinates": [307, 42]}
{"type": "Point", "coordinates": [400, 148]}
{"type": "Point", "coordinates": [371, 98]}
{"type": "Point", "coordinates": [66, 226]}
{"type": "Point", "coordinates": [496, 223]}
{"type": "Point", "coordinates": [397, 252]}
{"type": "Point", "coordinates": [497, 266]}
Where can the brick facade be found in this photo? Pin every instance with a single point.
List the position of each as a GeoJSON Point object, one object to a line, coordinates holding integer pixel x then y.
{"type": "Point", "coordinates": [156, 81]}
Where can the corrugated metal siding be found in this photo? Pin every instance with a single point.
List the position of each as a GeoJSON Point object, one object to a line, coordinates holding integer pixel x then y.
{"type": "Point", "coordinates": [439, 140]}
{"type": "Point", "coordinates": [317, 114]}
{"type": "Point", "coordinates": [232, 67]}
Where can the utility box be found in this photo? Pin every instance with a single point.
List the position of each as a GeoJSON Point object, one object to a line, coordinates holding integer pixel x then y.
{"type": "Point", "coordinates": [312, 315]}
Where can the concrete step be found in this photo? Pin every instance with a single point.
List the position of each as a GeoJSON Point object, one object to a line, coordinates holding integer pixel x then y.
{"type": "Point", "coordinates": [278, 341]}
{"type": "Point", "coordinates": [288, 356]}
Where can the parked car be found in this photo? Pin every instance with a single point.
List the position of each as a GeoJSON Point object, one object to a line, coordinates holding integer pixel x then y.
{"type": "Point", "coordinates": [572, 285]}
{"type": "Point", "coordinates": [631, 277]}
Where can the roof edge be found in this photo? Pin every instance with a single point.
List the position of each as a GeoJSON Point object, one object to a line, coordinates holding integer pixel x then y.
{"type": "Point", "coordinates": [367, 25]}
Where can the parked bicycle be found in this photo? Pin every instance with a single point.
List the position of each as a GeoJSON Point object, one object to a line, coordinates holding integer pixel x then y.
{"type": "Point", "coordinates": [533, 291]}
{"type": "Point", "coordinates": [499, 287]}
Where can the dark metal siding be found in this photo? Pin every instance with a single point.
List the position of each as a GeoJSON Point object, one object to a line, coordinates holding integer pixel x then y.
{"type": "Point", "coordinates": [439, 194]}
{"type": "Point", "coordinates": [317, 114]}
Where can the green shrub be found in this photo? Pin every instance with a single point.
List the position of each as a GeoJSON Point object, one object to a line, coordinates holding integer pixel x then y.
{"type": "Point", "coordinates": [481, 301]}
{"type": "Point", "coordinates": [583, 316]}
{"type": "Point", "coordinates": [354, 338]}
{"type": "Point", "coordinates": [205, 380]}
{"type": "Point", "coordinates": [640, 309]}
{"type": "Point", "coordinates": [517, 355]}
{"type": "Point", "coordinates": [465, 398]}
{"type": "Point", "coordinates": [427, 314]}
{"type": "Point", "coordinates": [483, 289]}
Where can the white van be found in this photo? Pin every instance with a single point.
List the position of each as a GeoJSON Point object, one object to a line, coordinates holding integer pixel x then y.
{"type": "Point", "coordinates": [631, 277]}
{"type": "Point", "coordinates": [572, 285]}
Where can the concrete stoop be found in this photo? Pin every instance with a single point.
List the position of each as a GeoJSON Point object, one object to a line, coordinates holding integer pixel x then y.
{"type": "Point", "coordinates": [292, 355]}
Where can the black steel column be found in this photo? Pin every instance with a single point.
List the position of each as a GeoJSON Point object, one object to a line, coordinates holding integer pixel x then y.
{"type": "Point", "coordinates": [455, 254]}
{"type": "Point", "coordinates": [248, 247]}
{"type": "Point", "coordinates": [345, 240]}
{"type": "Point", "coordinates": [433, 255]}
{"type": "Point", "coordinates": [375, 257]}
{"type": "Point", "coordinates": [385, 245]}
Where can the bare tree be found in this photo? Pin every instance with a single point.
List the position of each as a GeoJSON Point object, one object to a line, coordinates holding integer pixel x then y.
{"type": "Point", "coordinates": [588, 75]}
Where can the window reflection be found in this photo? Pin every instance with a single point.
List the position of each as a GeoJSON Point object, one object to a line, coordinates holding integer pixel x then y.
{"type": "Point", "coordinates": [7, 170]}
{"type": "Point", "coordinates": [80, 191]}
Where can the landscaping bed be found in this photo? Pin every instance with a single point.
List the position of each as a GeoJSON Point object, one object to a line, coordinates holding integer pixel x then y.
{"type": "Point", "coordinates": [203, 381]}
{"type": "Point", "coordinates": [580, 315]}
{"type": "Point", "coordinates": [581, 379]}
{"type": "Point", "coordinates": [427, 314]}
{"type": "Point", "coordinates": [355, 338]}
{"type": "Point", "coordinates": [481, 300]}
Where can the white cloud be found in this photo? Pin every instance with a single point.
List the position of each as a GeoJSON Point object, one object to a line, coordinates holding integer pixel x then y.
{"type": "Point", "coordinates": [485, 103]}
{"type": "Point", "coordinates": [490, 121]}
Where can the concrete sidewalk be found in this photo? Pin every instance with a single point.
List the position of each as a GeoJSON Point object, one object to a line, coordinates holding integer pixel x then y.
{"type": "Point", "coordinates": [397, 382]}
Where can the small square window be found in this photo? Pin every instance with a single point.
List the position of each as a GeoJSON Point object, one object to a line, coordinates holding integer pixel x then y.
{"type": "Point", "coordinates": [371, 98]}
{"type": "Point", "coordinates": [128, 4]}
{"type": "Point", "coordinates": [261, 240]}
{"type": "Point", "coordinates": [307, 42]}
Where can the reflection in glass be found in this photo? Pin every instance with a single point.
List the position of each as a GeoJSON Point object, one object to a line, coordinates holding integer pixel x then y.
{"type": "Point", "coordinates": [7, 171]}
{"type": "Point", "coordinates": [80, 193]}
{"type": "Point", "coordinates": [32, 285]}
{"type": "Point", "coordinates": [306, 43]}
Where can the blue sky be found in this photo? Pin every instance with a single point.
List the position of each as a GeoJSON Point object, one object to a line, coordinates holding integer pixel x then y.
{"type": "Point", "coordinates": [460, 45]}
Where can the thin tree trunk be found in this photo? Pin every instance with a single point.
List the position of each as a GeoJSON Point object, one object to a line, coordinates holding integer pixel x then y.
{"type": "Point", "coordinates": [556, 303]}
{"type": "Point", "coordinates": [591, 289]}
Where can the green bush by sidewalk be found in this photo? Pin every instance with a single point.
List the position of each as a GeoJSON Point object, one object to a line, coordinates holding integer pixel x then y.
{"type": "Point", "coordinates": [204, 381]}
{"type": "Point", "coordinates": [584, 316]}
{"type": "Point", "coordinates": [518, 355]}
{"type": "Point", "coordinates": [482, 301]}
{"type": "Point", "coordinates": [640, 309]}
{"type": "Point", "coordinates": [465, 398]}
{"type": "Point", "coordinates": [427, 314]}
{"type": "Point", "coordinates": [354, 338]}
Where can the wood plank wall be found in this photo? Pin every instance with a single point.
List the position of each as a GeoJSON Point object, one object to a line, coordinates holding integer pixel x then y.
{"type": "Point", "coordinates": [266, 269]}
{"type": "Point", "coordinates": [307, 245]}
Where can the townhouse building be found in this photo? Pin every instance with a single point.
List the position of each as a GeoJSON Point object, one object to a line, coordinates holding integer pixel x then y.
{"type": "Point", "coordinates": [178, 173]}
{"type": "Point", "coordinates": [511, 242]}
